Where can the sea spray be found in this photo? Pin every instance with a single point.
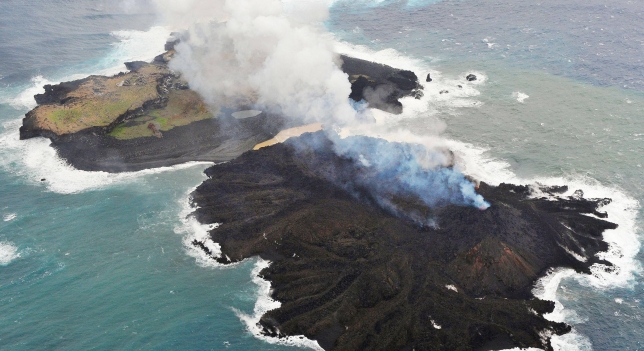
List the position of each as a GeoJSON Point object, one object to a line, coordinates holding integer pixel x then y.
{"type": "Point", "coordinates": [191, 229]}
{"type": "Point", "coordinates": [8, 253]}
{"type": "Point", "coordinates": [264, 304]}
{"type": "Point", "coordinates": [41, 165]}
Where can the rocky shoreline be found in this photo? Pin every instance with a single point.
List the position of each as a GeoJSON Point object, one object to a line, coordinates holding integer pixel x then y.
{"type": "Point", "coordinates": [351, 273]}
{"type": "Point", "coordinates": [355, 276]}
{"type": "Point", "coordinates": [91, 144]}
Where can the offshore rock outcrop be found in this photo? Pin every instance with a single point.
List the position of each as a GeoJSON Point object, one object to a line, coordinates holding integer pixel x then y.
{"type": "Point", "coordinates": [355, 276]}
{"type": "Point", "coordinates": [380, 85]}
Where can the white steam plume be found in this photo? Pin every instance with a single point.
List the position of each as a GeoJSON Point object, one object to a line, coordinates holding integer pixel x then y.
{"type": "Point", "coordinates": [273, 54]}
{"type": "Point", "coordinates": [278, 56]}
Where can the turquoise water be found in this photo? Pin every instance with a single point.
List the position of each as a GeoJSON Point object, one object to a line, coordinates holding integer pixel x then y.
{"type": "Point", "coordinates": [96, 261]}
{"type": "Point", "coordinates": [93, 261]}
{"type": "Point", "coordinates": [106, 269]}
{"type": "Point", "coordinates": [555, 107]}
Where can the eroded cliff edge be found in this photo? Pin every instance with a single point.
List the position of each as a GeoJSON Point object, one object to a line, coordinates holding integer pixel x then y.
{"type": "Point", "coordinates": [355, 276]}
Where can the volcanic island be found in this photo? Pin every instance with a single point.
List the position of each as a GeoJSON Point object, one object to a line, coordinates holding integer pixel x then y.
{"type": "Point", "coordinates": [351, 264]}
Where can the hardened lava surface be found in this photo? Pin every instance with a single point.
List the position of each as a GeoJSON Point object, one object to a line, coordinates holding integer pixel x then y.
{"type": "Point", "coordinates": [355, 276]}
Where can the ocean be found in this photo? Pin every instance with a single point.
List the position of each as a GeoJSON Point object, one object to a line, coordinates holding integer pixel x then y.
{"type": "Point", "coordinates": [97, 261]}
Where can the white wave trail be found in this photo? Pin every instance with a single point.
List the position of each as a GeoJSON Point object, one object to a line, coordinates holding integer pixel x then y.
{"type": "Point", "coordinates": [191, 229]}
{"type": "Point", "coordinates": [546, 289]}
{"type": "Point", "coordinates": [25, 100]}
{"type": "Point", "coordinates": [35, 160]}
{"type": "Point", "coordinates": [433, 101]}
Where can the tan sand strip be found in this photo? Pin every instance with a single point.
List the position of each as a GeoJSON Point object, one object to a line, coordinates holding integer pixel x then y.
{"type": "Point", "coordinates": [290, 133]}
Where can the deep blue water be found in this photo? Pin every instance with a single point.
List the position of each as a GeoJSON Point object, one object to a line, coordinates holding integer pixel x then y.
{"type": "Point", "coordinates": [96, 261]}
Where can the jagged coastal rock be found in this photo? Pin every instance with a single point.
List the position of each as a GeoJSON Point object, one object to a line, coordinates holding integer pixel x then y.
{"type": "Point", "coordinates": [355, 276]}
{"type": "Point", "coordinates": [355, 268]}
{"type": "Point", "coordinates": [380, 85]}
{"type": "Point", "coordinates": [104, 123]}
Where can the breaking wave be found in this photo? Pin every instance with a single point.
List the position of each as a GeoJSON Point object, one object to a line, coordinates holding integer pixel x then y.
{"type": "Point", "coordinates": [8, 253]}
{"type": "Point", "coordinates": [132, 45]}
{"type": "Point", "coordinates": [264, 304]}
{"type": "Point", "coordinates": [476, 162]}
{"type": "Point", "coordinates": [37, 162]}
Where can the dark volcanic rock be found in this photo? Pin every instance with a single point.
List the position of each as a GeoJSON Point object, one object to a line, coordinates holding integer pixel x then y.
{"type": "Point", "coordinates": [356, 277]}
{"type": "Point", "coordinates": [380, 85]}
{"type": "Point", "coordinates": [55, 94]}
{"type": "Point", "coordinates": [209, 140]}
{"type": "Point", "coordinates": [470, 77]}
{"type": "Point", "coordinates": [212, 140]}
{"type": "Point", "coordinates": [429, 78]}
{"type": "Point", "coordinates": [173, 41]}
{"type": "Point", "coordinates": [135, 65]}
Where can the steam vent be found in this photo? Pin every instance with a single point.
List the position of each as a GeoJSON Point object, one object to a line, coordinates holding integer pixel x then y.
{"type": "Point", "coordinates": [356, 275]}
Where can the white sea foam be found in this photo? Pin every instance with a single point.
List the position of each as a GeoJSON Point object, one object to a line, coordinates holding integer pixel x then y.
{"type": "Point", "coordinates": [432, 101]}
{"type": "Point", "coordinates": [264, 304]}
{"type": "Point", "coordinates": [9, 217]}
{"type": "Point", "coordinates": [133, 45]}
{"type": "Point", "coordinates": [39, 161]}
{"type": "Point", "coordinates": [475, 161]}
{"type": "Point", "coordinates": [191, 230]}
{"type": "Point", "coordinates": [521, 97]}
{"type": "Point", "coordinates": [546, 289]}
{"type": "Point", "coordinates": [25, 100]}
{"type": "Point", "coordinates": [8, 253]}
{"type": "Point", "coordinates": [623, 241]}
{"type": "Point", "coordinates": [34, 160]}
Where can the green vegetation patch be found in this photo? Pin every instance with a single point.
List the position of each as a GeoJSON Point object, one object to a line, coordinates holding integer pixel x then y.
{"type": "Point", "coordinates": [102, 111]}
{"type": "Point", "coordinates": [184, 107]}
{"type": "Point", "coordinates": [100, 101]}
